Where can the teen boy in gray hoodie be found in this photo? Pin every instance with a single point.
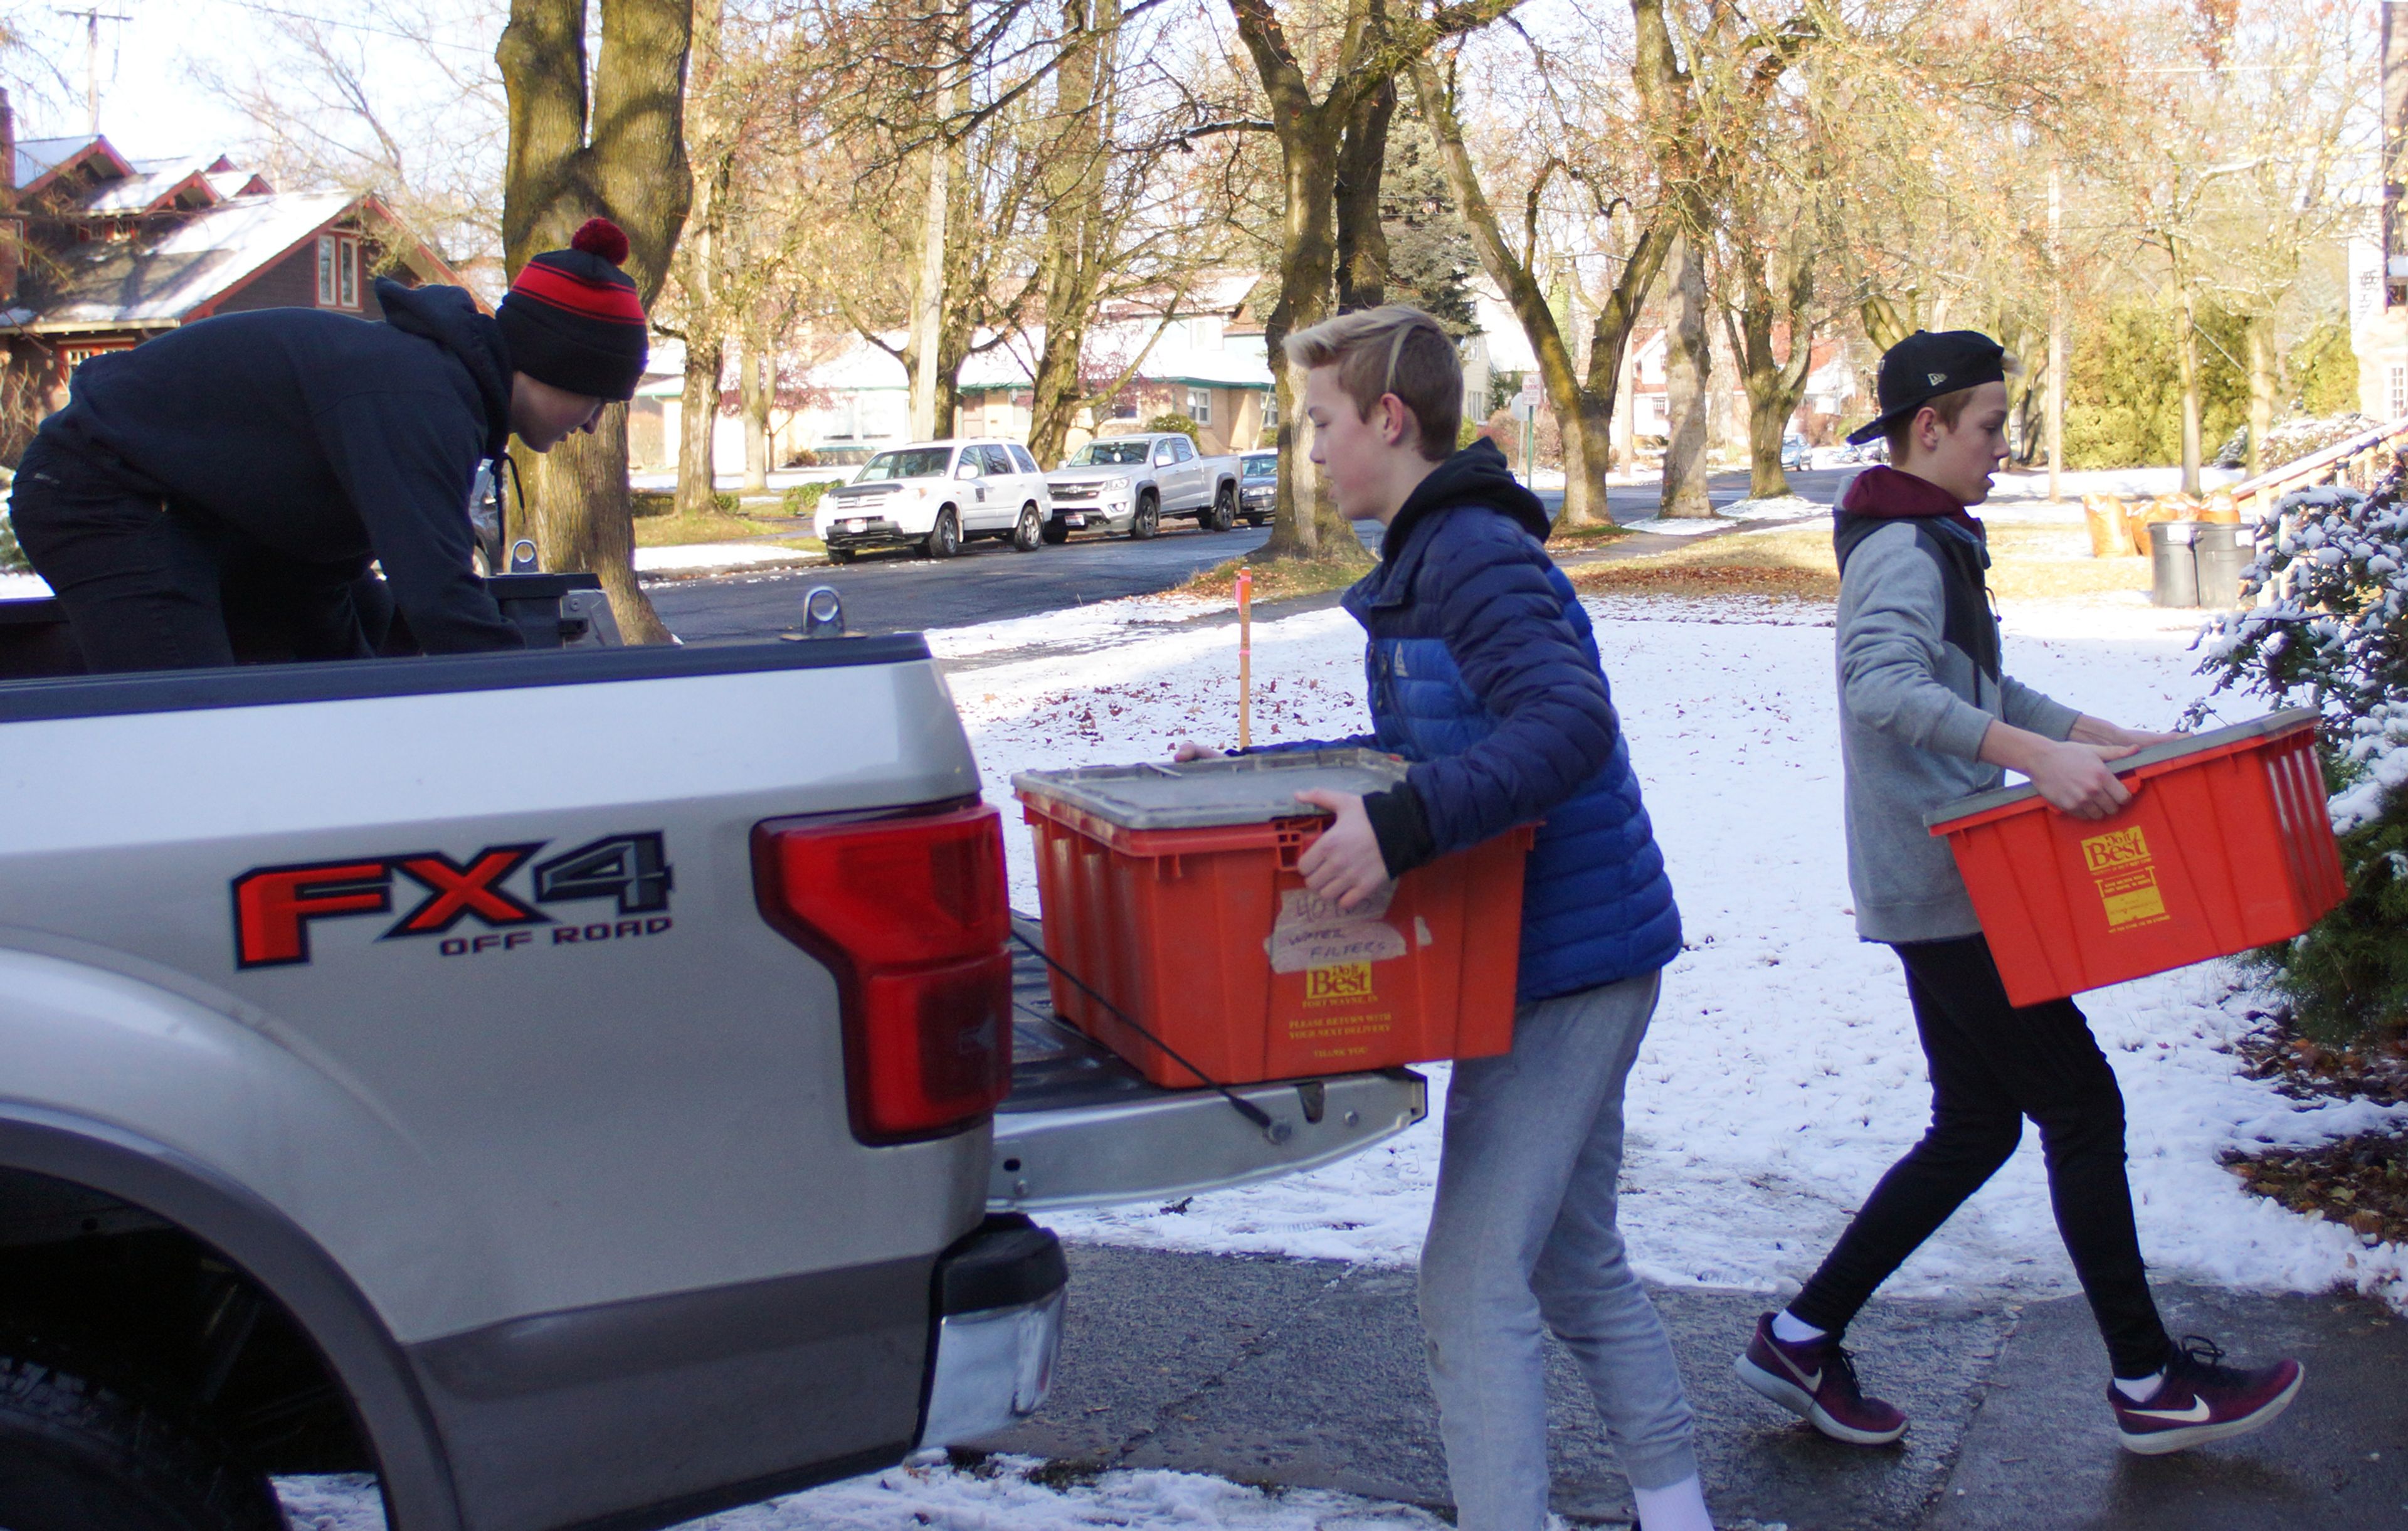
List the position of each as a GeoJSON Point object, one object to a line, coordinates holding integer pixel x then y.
{"type": "Point", "coordinates": [1926, 715]}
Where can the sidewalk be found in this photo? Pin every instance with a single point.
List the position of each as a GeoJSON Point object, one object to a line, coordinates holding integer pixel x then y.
{"type": "Point", "coordinates": [1310, 1374]}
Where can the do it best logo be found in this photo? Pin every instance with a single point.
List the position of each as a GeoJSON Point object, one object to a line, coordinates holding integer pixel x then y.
{"type": "Point", "coordinates": [275, 906]}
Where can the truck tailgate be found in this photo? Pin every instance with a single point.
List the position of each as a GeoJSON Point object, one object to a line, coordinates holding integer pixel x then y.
{"type": "Point", "coordinates": [1082, 1128]}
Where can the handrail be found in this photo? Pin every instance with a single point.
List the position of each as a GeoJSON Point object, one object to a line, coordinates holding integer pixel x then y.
{"type": "Point", "coordinates": [2320, 467]}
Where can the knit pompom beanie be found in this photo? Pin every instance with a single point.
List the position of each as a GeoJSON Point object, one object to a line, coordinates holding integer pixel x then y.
{"type": "Point", "coordinates": [572, 318]}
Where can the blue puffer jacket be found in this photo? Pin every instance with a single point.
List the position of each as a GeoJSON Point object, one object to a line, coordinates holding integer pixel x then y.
{"type": "Point", "coordinates": [1484, 673]}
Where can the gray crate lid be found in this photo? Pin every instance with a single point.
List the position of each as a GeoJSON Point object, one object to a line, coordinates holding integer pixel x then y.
{"type": "Point", "coordinates": [2190, 744]}
{"type": "Point", "coordinates": [1233, 789]}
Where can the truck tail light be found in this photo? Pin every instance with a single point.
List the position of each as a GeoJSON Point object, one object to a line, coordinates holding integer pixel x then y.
{"type": "Point", "coordinates": [911, 914]}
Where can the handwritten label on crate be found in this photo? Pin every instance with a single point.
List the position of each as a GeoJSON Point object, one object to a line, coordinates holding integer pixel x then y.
{"type": "Point", "coordinates": [1312, 932]}
{"type": "Point", "coordinates": [2127, 875]}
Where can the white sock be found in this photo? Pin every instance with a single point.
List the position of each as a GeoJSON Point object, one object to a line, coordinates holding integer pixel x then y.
{"type": "Point", "coordinates": [2141, 1389]}
{"type": "Point", "coordinates": [1792, 1330]}
{"type": "Point", "coordinates": [1680, 1508]}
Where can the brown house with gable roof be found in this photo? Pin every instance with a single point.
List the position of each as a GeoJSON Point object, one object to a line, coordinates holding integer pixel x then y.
{"type": "Point", "coordinates": [99, 252]}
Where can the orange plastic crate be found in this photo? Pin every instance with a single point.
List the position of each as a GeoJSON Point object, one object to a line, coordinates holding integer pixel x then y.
{"type": "Point", "coordinates": [1205, 935]}
{"type": "Point", "coordinates": [2224, 845]}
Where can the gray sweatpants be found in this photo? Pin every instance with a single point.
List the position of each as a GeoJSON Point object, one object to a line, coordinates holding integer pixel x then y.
{"type": "Point", "coordinates": [1523, 1233]}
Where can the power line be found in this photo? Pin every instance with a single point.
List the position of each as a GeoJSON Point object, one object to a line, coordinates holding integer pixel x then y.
{"type": "Point", "coordinates": [92, 19]}
{"type": "Point", "coordinates": [423, 40]}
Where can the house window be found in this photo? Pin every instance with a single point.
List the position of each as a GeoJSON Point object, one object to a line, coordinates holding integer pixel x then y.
{"type": "Point", "coordinates": [1270, 409]}
{"type": "Point", "coordinates": [1125, 408]}
{"type": "Point", "coordinates": [338, 271]}
{"type": "Point", "coordinates": [76, 356]}
{"type": "Point", "coordinates": [2399, 381]}
{"type": "Point", "coordinates": [1199, 405]}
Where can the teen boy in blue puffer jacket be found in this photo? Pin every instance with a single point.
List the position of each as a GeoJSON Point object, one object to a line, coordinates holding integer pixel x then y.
{"type": "Point", "coordinates": [1485, 675]}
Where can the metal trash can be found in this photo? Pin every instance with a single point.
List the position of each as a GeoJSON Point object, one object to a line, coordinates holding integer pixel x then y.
{"type": "Point", "coordinates": [2174, 571]}
{"type": "Point", "coordinates": [2221, 553]}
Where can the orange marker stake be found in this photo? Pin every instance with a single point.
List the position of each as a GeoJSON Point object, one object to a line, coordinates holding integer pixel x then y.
{"type": "Point", "coordinates": [1245, 656]}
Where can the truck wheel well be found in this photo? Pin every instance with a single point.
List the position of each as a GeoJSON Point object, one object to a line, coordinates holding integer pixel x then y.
{"type": "Point", "coordinates": [133, 1300]}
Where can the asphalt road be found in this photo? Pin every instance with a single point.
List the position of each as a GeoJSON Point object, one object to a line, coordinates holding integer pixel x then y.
{"type": "Point", "coordinates": [902, 592]}
{"type": "Point", "coordinates": [1312, 1373]}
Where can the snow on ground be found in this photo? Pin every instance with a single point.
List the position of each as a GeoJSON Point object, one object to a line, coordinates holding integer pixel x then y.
{"type": "Point", "coordinates": [1777, 508]}
{"type": "Point", "coordinates": [2129, 483]}
{"type": "Point", "coordinates": [1782, 1076]}
{"type": "Point", "coordinates": [999, 1496]}
{"type": "Point", "coordinates": [22, 587]}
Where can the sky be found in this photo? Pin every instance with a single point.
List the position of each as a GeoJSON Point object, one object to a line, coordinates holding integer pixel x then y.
{"type": "Point", "coordinates": [155, 97]}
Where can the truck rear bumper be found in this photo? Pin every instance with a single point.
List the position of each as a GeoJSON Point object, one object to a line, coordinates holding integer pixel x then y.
{"type": "Point", "coordinates": [999, 1299]}
{"type": "Point", "coordinates": [1082, 1128]}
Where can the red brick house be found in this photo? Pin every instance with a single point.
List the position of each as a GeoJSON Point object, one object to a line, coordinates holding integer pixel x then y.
{"type": "Point", "coordinates": [98, 252]}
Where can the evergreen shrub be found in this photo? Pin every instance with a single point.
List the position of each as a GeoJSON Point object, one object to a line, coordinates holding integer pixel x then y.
{"type": "Point", "coordinates": [2124, 386]}
{"type": "Point", "coordinates": [2334, 636]}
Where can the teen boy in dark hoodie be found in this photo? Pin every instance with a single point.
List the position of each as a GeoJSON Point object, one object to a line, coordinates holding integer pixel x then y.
{"type": "Point", "coordinates": [1485, 675]}
{"type": "Point", "coordinates": [1928, 716]}
{"type": "Point", "coordinates": [251, 465]}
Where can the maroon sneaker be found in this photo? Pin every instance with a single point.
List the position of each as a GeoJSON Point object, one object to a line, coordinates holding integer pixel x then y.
{"type": "Point", "coordinates": [2202, 1400]}
{"type": "Point", "coordinates": [1816, 1381]}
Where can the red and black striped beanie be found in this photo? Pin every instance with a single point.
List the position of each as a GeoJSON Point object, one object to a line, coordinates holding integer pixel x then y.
{"type": "Point", "coordinates": [572, 318]}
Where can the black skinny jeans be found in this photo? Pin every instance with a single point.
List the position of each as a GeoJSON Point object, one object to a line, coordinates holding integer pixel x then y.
{"type": "Point", "coordinates": [1992, 1065]}
{"type": "Point", "coordinates": [148, 585]}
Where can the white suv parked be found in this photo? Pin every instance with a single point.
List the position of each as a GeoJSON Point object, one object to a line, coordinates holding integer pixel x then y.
{"type": "Point", "coordinates": [935, 496]}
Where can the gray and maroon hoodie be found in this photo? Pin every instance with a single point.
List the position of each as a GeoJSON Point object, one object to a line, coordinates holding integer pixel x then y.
{"type": "Point", "coordinates": [1918, 652]}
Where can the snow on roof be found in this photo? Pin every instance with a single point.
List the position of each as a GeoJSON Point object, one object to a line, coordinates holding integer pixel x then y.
{"type": "Point", "coordinates": [232, 183]}
{"type": "Point", "coordinates": [153, 183]}
{"type": "Point", "coordinates": [37, 157]}
{"type": "Point", "coordinates": [163, 280]}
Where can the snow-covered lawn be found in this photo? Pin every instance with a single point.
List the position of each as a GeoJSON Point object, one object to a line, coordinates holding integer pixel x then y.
{"type": "Point", "coordinates": [1781, 1075]}
{"type": "Point", "coordinates": [996, 1496]}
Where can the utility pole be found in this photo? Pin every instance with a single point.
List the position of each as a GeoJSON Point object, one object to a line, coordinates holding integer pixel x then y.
{"type": "Point", "coordinates": [2056, 336]}
{"type": "Point", "coordinates": [92, 19]}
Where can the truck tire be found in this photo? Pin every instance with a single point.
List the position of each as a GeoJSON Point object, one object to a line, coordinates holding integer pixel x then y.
{"type": "Point", "coordinates": [1223, 513]}
{"type": "Point", "coordinates": [944, 539]}
{"type": "Point", "coordinates": [1055, 534]}
{"type": "Point", "coordinates": [1146, 519]}
{"type": "Point", "coordinates": [1029, 532]}
{"type": "Point", "coordinates": [74, 1455]}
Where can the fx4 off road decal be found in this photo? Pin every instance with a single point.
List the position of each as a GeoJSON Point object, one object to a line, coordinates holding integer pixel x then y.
{"type": "Point", "coordinates": [274, 905]}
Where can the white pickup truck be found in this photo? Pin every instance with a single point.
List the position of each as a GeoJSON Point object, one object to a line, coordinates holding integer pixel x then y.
{"type": "Point", "coordinates": [1128, 483]}
{"type": "Point", "coordinates": [587, 1086]}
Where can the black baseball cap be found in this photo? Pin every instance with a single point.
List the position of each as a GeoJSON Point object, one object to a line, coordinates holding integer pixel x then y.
{"type": "Point", "coordinates": [1925, 366]}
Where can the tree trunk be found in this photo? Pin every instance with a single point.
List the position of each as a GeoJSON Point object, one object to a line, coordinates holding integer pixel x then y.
{"type": "Point", "coordinates": [2261, 389]}
{"type": "Point", "coordinates": [1362, 243]}
{"type": "Point", "coordinates": [1689, 367]}
{"type": "Point", "coordinates": [1083, 83]}
{"type": "Point", "coordinates": [632, 170]}
{"type": "Point", "coordinates": [1773, 386]}
{"type": "Point", "coordinates": [697, 426]}
{"type": "Point", "coordinates": [1583, 410]}
{"type": "Point", "coordinates": [2188, 354]}
{"type": "Point", "coordinates": [1306, 524]}
{"type": "Point", "coordinates": [754, 392]}
{"type": "Point", "coordinates": [928, 296]}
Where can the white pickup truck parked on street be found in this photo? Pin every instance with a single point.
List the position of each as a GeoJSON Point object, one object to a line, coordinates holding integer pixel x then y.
{"type": "Point", "coordinates": [1128, 483]}
{"type": "Point", "coordinates": [934, 496]}
{"type": "Point", "coordinates": [584, 1087]}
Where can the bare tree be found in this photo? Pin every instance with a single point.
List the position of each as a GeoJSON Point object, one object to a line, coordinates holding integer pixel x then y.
{"type": "Point", "coordinates": [630, 167]}
{"type": "Point", "coordinates": [1583, 402]}
{"type": "Point", "coordinates": [1316, 137]}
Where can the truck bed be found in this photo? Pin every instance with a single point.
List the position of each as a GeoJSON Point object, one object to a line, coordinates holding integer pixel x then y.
{"type": "Point", "coordinates": [1082, 1127]}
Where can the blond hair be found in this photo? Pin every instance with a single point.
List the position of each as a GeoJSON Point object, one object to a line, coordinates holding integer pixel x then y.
{"type": "Point", "coordinates": [1391, 350]}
